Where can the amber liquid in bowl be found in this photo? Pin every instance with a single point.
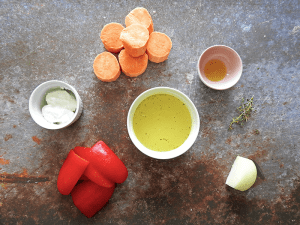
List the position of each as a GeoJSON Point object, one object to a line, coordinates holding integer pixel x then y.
{"type": "Point", "coordinates": [215, 70]}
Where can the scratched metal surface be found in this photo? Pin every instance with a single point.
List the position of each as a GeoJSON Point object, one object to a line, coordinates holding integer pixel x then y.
{"type": "Point", "coordinates": [47, 40]}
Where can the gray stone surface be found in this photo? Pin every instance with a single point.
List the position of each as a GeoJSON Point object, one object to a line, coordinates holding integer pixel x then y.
{"type": "Point", "coordinates": [48, 40]}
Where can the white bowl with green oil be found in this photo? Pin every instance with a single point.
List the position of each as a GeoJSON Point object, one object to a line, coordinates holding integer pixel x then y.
{"type": "Point", "coordinates": [163, 123]}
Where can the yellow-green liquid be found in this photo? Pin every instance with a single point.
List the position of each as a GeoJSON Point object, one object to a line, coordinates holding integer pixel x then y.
{"type": "Point", "coordinates": [162, 122]}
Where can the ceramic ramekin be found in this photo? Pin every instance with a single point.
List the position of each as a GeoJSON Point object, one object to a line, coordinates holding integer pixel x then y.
{"type": "Point", "coordinates": [230, 58]}
{"type": "Point", "coordinates": [38, 97]}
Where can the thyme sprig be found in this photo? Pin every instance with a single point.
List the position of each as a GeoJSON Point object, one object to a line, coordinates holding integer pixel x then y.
{"type": "Point", "coordinates": [245, 109]}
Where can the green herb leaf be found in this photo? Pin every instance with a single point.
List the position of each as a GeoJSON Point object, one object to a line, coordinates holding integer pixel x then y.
{"type": "Point", "coordinates": [245, 111]}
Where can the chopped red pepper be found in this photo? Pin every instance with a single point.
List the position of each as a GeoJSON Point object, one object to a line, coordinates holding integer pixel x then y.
{"type": "Point", "coordinates": [92, 173]}
{"type": "Point", "coordinates": [89, 197]}
{"type": "Point", "coordinates": [97, 177]}
{"type": "Point", "coordinates": [70, 172]}
{"type": "Point", "coordinates": [83, 177]}
{"type": "Point", "coordinates": [105, 161]}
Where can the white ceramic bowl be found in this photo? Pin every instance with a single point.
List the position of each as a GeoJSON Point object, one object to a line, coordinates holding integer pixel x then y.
{"type": "Point", "coordinates": [38, 97]}
{"type": "Point", "coordinates": [230, 58]}
{"type": "Point", "coordinates": [194, 129]}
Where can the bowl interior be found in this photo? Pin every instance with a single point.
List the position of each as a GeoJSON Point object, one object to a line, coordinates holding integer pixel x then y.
{"type": "Point", "coordinates": [231, 60]}
{"type": "Point", "coordinates": [37, 101]}
{"type": "Point", "coordinates": [194, 129]}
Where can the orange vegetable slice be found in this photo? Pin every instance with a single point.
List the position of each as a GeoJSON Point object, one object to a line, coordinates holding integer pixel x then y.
{"type": "Point", "coordinates": [135, 38]}
{"type": "Point", "coordinates": [141, 16]}
{"type": "Point", "coordinates": [106, 67]}
{"type": "Point", "coordinates": [132, 66]}
{"type": "Point", "coordinates": [158, 47]}
{"type": "Point", "coordinates": [110, 36]}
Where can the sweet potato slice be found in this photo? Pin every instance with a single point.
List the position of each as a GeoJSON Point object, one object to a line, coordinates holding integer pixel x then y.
{"type": "Point", "coordinates": [141, 16]}
{"type": "Point", "coordinates": [132, 66]}
{"type": "Point", "coordinates": [158, 47]}
{"type": "Point", "coordinates": [110, 36]}
{"type": "Point", "coordinates": [106, 67]}
{"type": "Point", "coordinates": [135, 38]}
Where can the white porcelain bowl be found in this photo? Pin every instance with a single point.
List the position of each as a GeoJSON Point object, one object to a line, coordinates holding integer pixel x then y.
{"type": "Point", "coordinates": [38, 97]}
{"type": "Point", "coordinates": [230, 58]}
{"type": "Point", "coordinates": [194, 129]}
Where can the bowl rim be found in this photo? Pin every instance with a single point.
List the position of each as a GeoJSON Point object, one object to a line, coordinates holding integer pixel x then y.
{"type": "Point", "coordinates": [52, 84]}
{"type": "Point", "coordinates": [168, 154]}
{"type": "Point", "coordinates": [207, 84]}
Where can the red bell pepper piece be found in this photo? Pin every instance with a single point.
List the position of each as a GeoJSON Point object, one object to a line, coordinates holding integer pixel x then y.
{"type": "Point", "coordinates": [92, 173]}
{"type": "Point", "coordinates": [89, 197]}
{"type": "Point", "coordinates": [83, 177]}
{"type": "Point", "coordinates": [70, 172]}
{"type": "Point", "coordinates": [105, 161]}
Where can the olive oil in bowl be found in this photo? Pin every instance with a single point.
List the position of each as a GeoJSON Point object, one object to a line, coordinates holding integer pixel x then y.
{"type": "Point", "coordinates": [162, 122]}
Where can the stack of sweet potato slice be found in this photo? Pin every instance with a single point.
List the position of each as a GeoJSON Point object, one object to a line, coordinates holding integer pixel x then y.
{"type": "Point", "coordinates": [136, 44]}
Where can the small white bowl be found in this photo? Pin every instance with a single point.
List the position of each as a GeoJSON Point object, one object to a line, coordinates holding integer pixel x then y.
{"type": "Point", "coordinates": [194, 129]}
{"type": "Point", "coordinates": [38, 97]}
{"type": "Point", "coordinates": [230, 58]}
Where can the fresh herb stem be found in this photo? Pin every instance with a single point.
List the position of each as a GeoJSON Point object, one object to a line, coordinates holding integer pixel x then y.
{"type": "Point", "coordinates": [245, 109]}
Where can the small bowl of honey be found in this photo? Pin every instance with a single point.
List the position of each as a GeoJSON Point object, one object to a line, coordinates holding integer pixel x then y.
{"type": "Point", "coordinates": [220, 67]}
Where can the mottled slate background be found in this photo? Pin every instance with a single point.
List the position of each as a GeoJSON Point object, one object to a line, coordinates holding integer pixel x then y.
{"type": "Point", "coordinates": [46, 40]}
